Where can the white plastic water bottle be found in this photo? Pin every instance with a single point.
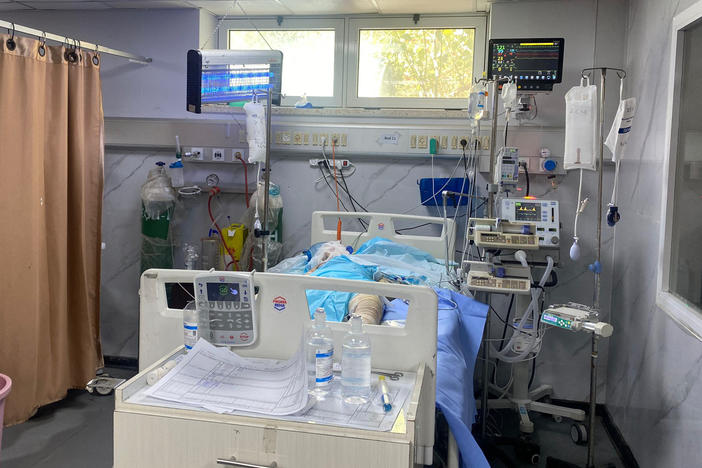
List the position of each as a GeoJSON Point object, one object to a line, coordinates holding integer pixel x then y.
{"type": "Point", "coordinates": [320, 354]}
{"type": "Point", "coordinates": [356, 364]}
{"type": "Point", "coordinates": [190, 334]}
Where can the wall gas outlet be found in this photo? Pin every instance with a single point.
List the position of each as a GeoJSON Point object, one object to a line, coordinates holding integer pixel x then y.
{"type": "Point", "coordinates": [194, 153]}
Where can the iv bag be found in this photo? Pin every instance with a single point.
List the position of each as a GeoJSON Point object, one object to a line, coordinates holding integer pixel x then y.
{"type": "Point", "coordinates": [477, 104]}
{"type": "Point", "coordinates": [619, 133]}
{"type": "Point", "coordinates": [256, 131]}
{"type": "Point", "coordinates": [581, 128]}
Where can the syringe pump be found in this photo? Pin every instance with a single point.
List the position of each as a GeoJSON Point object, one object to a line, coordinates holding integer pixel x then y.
{"type": "Point", "coordinates": [500, 234]}
{"type": "Point", "coordinates": [505, 279]}
{"type": "Point", "coordinates": [575, 317]}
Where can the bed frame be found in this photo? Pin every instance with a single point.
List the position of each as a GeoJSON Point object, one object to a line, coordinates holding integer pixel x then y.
{"type": "Point", "coordinates": [383, 225]}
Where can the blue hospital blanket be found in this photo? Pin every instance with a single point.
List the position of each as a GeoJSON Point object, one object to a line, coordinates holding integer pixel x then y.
{"type": "Point", "coordinates": [460, 329]}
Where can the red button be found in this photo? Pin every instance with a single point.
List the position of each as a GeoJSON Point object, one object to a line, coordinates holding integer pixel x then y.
{"type": "Point", "coordinates": [244, 337]}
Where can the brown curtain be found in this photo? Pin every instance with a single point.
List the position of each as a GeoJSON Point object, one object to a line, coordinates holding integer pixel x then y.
{"type": "Point", "coordinates": [51, 160]}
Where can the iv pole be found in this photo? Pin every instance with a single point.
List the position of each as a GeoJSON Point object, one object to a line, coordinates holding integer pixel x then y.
{"type": "Point", "coordinates": [594, 352]}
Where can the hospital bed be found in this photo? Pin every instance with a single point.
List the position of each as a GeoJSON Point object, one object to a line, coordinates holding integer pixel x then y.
{"type": "Point", "coordinates": [160, 330]}
{"type": "Point", "coordinates": [459, 331]}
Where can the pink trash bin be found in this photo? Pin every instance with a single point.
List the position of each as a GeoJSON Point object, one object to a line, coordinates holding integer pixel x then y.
{"type": "Point", "coordinates": [5, 386]}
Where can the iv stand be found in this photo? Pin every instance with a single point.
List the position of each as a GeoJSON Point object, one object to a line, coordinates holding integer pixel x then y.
{"type": "Point", "coordinates": [594, 353]}
{"type": "Point", "coordinates": [267, 180]}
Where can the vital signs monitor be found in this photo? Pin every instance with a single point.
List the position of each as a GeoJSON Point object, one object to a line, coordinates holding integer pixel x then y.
{"type": "Point", "coordinates": [535, 64]}
{"type": "Point", "coordinates": [225, 306]}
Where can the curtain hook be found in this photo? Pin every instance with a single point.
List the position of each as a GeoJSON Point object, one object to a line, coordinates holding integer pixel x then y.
{"type": "Point", "coordinates": [42, 44]}
{"type": "Point", "coordinates": [11, 44]}
{"type": "Point", "coordinates": [96, 57]}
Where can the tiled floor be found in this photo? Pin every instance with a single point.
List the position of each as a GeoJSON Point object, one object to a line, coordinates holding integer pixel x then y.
{"type": "Point", "coordinates": [77, 432]}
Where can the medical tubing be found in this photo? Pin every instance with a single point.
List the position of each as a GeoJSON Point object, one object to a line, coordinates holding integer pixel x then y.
{"type": "Point", "coordinates": [473, 194]}
{"type": "Point", "coordinates": [246, 178]}
{"type": "Point", "coordinates": [534, 309]}
{"type": "Point", "coordinates": [214, 191]}
{"type": "Point", "coordinates": [612, 201]}
{"type": "Point", "coordinates": [578, 208]}
{"type": "Point", "coordinates": [526, 173]}
{"type": "Point", "coordinates": [336, 183]}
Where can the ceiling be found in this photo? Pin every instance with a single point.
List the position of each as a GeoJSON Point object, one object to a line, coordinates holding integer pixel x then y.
{"type": "Point", "coordinates": [265, 7]}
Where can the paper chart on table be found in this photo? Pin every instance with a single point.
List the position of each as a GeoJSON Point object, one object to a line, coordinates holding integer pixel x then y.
{"type": "Point", "coordinates": [221, 381]}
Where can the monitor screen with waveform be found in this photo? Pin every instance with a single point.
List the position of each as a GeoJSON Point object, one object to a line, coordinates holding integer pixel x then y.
{"type": "Point", "coordinates": [536, 64]}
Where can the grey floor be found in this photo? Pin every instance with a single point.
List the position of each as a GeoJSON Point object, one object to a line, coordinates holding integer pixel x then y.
{"type": "Point", "coordinates": [554, 441]}
{"type": "Point", "coordinates": [77, 432]}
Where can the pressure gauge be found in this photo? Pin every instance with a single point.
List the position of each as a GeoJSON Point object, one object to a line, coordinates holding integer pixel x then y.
{"type": "Point", "coordinates": [212, 180]}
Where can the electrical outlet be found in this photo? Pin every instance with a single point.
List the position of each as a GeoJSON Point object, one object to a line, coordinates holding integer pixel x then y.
{"type": "Point", "coordinates": [444, 142]}
{"type": "Point", "coordinates": [422, 142]}
{"type": "Point", "coordinates": [297, 138]}
{"type": "Point", "coordinates": [454, 142]}
{"type": "Point", "coordinates": [217, 154]}
{"type": "Point", "coordinates": [343, 139]}
{"type": "Point", "coordinates": [285, 138]}
{"type": "Point", "coordinates": [340, 163]}
{"type": "Point", "coordinates": [413, 141]}
{"type": "Point", "coordinates": [305, 138]}
{"type": "Point", "coordinates": [485, 142]}
{"type": "Point", "coordinates": [315, 139]}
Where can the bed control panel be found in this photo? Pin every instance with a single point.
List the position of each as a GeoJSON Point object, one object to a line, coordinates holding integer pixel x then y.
{"type": "Point", "coordinates": [225, 306]}
{"type": "Point", "coordinates": [543, 213]}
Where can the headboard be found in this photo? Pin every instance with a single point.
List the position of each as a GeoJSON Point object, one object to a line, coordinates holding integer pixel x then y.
{"type": "Point", "coordinates": [383, 225]}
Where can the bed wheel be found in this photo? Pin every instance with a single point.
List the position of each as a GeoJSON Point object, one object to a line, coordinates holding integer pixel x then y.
{"type": "Point", "coordinates": [578, 433]}
{"type": "Point", "coordinates": [557, 418]}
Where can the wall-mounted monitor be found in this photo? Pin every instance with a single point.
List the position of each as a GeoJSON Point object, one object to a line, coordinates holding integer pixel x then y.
{"type": "Point", "coordinates": [536, 64]}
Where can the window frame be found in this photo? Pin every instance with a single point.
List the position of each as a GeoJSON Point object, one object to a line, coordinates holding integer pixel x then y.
{"type": "Point", "coordinates": [686, 314]}
{"type": "Point", "coordinates": [477, 22]}
{"type": "Point", "coordinates": [302, 24]}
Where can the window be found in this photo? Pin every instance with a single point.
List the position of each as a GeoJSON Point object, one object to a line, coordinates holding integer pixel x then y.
{"type": "Point", "coordinates": [396, 63]}
{"type": "Point", "coordinates": [312, 58]}
{"type": "Point", "coordinates": [370, 62]}
{"type": "Point", "coordinates": [680, 282]}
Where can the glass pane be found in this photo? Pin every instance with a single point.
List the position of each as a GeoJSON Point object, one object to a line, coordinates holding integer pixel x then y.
{"type": "Point", "coordinates": [415, 63]}
{"type": "Point", "coordinates": [686, 261]}
{"type": "Point", "coordinates": [308, 57]}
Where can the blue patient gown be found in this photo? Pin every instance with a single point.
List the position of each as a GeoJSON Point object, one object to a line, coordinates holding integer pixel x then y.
{"type": "Point", "coordinates": [460, 328]}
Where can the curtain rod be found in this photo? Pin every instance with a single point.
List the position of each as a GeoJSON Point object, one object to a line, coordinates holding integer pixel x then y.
{"type": "Point", "coordinates": [10, 26]}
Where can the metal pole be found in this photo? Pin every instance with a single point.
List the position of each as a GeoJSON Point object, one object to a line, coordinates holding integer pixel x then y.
{"type": "Point", "coordinates": [65, 40]}
{"type": "Point", "coordinates": [596, 302]}
{"type": "Point", "coordinates": [603, 78]}
{"type": "Point", "coordinates": [493, 136]}
{"type": "Point", "coordinates": [486, 357]}
{"type": "Point", "coordinates": [267, 179]}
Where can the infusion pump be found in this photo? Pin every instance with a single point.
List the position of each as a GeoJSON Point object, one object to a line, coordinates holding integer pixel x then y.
{"type": "Point", "coordinates": [543, 213]}
{"type": "Point", "coordinates": [226, 308]}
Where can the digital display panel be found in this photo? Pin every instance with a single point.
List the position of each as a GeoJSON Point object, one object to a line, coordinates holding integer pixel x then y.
{"type": "Point", "coordinates": [527, 211]}
{"type": "Point", "coordinates": [223, 292]}
{"type": "Point", "coordinates": [535, 63]}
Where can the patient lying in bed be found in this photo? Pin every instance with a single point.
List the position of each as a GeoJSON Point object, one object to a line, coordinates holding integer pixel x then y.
{"type": "Point", "coordinates": [376, 260]}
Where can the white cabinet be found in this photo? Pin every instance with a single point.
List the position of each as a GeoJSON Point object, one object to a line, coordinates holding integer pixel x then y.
{"type": "Point", "coordinates": [150, 436]}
